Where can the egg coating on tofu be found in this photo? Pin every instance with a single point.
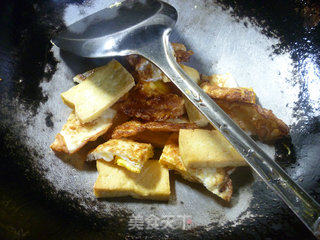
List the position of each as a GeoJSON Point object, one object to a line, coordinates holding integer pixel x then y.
{"type": "Point", "coordinates": [75, 135]}
{"type": "Point", "coordinates": [124, 152]}
{"type": "Point", "coordinates": [245, 95]}
{"type": "Point", "coordinates": [114, 181]}
{"type": "Point", "coordinates": [216, 180]}
{"type": "Point", "coordinates": [99, 91]}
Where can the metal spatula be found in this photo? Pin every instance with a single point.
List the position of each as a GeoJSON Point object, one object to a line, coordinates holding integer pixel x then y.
{"type": "Point", "coordinates": [143, 27]}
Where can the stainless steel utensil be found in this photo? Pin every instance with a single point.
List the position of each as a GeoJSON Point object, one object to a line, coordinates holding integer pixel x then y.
{"type": "Point", "coordinates": [143, 27]}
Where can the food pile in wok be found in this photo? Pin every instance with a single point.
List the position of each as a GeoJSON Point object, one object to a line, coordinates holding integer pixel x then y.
{"type": "Point", "coordinates": [138, 112]}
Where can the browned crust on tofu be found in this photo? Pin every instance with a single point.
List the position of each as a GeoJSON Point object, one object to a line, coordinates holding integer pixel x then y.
{"type": "Point", "coordinates": [153, 98]}
{"type": "Point", "coordinates": [153, 108]}
{"type": "Point", "coordinates": [157, 139]}
{"type": "Point", "coordinates": [138, 152]}
{"type": "Point", "coordinates": [226, 189]}
{"type": "Point", "coordinates": [132, 128]}
{"type": "Point", "coordinates": [255, 119]}
{"type": "Point", "coordinates": [59, 145]}
{"type": "Point", "coordinates": [229, 94]}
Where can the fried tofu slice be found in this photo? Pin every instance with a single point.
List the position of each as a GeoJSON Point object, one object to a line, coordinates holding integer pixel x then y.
{"type": "Point", "coordinates": [99, 91]}
{"type": "Point", "coordinates": [126, 153]}
{"type": "Point", "coordinates": [220, 80]}
{"type": "Point", "coordinates": [217, 86]}
{"type": "Point", "coordinates": [157, 139]}
{"type": "Point", "coordinates": [154, 98]}
{"type": "Point", "coordinates": [134, 127]}
{"type": "Point", "coordinates": [216, 180]}
{"type": "Point", "coordinates": [75, 135]}
{"type": "Point", "coordinates": [128, 129]}
{"type": "Point", "coordinates": [255, 120]}
{"type": "Point", "coordinates": [155, 133]}
{"type": "Point", "coordinates": [153, 101]}
{"type": "Point", "coordinates": [229, 94]}
{"type": "Point", "coordinates": [240, 105]}
{"type": "Point", "coordinates": [207, 148]}
{"type": "Point", "coordinates": [114, 181]}
{"type": "Point", "coordinates": [224, 86]}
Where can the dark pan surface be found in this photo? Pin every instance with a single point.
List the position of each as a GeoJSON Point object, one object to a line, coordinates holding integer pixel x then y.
{"type": "Point", "coordinates": [32, 207]}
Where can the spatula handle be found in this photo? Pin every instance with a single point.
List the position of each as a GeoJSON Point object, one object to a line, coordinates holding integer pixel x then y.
{"type": "Point", "coordinates": [306, 208]}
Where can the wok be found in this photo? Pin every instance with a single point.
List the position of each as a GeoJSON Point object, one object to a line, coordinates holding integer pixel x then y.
{"type": "Point", "coordinates": [270, 46]}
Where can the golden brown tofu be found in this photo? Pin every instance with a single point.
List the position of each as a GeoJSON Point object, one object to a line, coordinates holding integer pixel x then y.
{"type": "Point", "coordinates": [114, 181]}
{"type": "Point", "coordinates": [255, 120]}
{"type": "Point", "coordinates": [157, 139]}
{"type": "Point", "coordinates": [154, 98]}
{"type": "Point", "coordinates": [99, 91]}
{"type": "Point", "coordinates": [224, 87]}
{"type": "Point", "coordinates": [133, 128]}
{"type": "Point", "coordinates": [153, 102]}
{"type": "Point", "coordinates": [75, 135]}
{"type": "Point", "coordinates": [240, 105]}
{"type": "Point", "coordinates": [126, 153]}
{"type": "Point", "coordinates": [229, 94]}
{"type": "Point", "coordinates": [205, 148]}
{"type": "Point", "coordinates": [216, 180]}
